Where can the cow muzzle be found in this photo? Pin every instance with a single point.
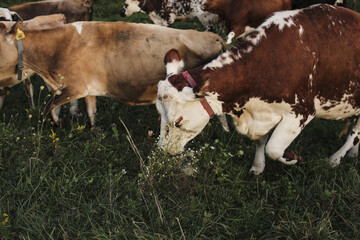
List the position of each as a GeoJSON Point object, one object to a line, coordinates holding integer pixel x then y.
{"type": "Point", "coordinates": [123, 11]}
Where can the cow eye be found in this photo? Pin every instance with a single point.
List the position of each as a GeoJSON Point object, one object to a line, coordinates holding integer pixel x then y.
{"type": "Point", "coordinates": [178, 122]}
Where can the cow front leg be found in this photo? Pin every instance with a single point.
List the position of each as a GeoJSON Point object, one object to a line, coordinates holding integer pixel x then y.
{"type": "Point", "coordinates": [29, 90]}
{"type": "Point", "coordinates": [259, 160]}
{"type": "Point", "coordinates": [351, 142]}
{"type": "Point", "coordinates": [285, 132]}
{"type": "Point", "coordinates": [91, 108]}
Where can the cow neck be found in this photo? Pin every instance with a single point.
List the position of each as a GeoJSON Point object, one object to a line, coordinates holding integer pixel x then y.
{"type": "Point", "coordinates": [42, 49]}
{"type": "Point", "coordinates": [203, 100]}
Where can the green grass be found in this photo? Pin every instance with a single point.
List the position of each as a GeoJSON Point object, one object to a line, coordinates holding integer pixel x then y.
{"type": "Point", "coordinates": [92, 183]}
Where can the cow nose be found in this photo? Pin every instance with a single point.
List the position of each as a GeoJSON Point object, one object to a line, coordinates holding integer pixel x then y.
{"type": "Point", "coordinates": [123, 12]}
{"type": "Point", "coordinates": [204, 7]}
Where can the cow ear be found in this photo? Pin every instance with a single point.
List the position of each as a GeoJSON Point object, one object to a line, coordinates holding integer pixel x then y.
{"type": "Point", "coordinates": [88, 3]}
{"type": "Point", "coordinates": [173, 62]}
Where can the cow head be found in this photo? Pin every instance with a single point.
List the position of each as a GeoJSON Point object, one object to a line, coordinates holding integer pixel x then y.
{"type": "Point", "coordinates": [213, 5]}
{"type": "Point", "coordinates": [131, 7]}
{"type": "Point", "coordinates": [182, 115]}
{"type": "Point", "coordinates": [8, 48]}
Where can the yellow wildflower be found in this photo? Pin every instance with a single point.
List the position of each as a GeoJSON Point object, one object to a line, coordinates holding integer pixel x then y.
{"type": "Point", "coordinates": [6, 219]}
{"type": "Point", "coordinates": [81, 127]}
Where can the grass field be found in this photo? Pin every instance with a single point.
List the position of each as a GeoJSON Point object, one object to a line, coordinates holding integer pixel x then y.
{"type": "Point", "coordinates": [77, 182]}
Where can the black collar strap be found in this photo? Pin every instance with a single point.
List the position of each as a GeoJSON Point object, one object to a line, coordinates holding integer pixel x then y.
{"type": "Point", "coordinates": [19, 36]}
{"type": "Point", "coordinates": [203, 101]}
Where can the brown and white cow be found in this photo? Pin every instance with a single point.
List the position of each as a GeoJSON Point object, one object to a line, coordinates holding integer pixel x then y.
{"type": "Point", "coordinates": [74, 10]}
{"type": "Point", "coordinates": [165, 12]}
{"type": "Point", "coordinates": [9, 78]}
{"type": "Point", "coordinates": [114, 59]}
{"type": "Point", "coordinates": [273, 83]}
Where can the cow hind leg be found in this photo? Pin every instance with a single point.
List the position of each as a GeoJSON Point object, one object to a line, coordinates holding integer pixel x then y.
{"type": "Point", "coordinates": [258, 165]}
{"type": "Point", "coordinates": [66, 96]}
{"type": "Point", "coordinates": [285, 132]}
{"type": "Point", "coordinates": [352, 142]}
{"type": "Point", "coordinates": [91, 108]}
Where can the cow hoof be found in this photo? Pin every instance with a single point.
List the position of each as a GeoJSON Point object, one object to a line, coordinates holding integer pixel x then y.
{"type": "Point", "coordinates": [256, 170]}
{"type": "Point", "coordinates": [334, 161]}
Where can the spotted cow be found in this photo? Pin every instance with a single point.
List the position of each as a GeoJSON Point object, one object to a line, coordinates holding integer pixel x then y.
{"type": "Point", "coordinates": [165, 12]}
{"type": "Point", "coordinates": [290, 70]}
{"type": "Point", "coordinates": [114, 59]}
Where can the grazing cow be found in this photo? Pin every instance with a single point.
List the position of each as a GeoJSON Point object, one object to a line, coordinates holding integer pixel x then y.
{"type": "Point", "coordinates": [74, 10]}
{"type": "Point", "coordinates": [290, 70]}
{"type": "Point", "coordinates": [165, 12]}
{"type": "Point", "coordinates": [9, 78]}
{"type": "Point", "coordinates": [119, 60]}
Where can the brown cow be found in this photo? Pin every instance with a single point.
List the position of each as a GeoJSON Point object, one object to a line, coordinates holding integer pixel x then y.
{"type": "Point", "coordinates": [236, 15]}
{"type": "Point", "coordinates": [74, 10]}
{"type": "Point", "coordinates": [273, 83]}
{"type": "Point", "coordinates": [119, 60]}
{"type": "Point", "coordinates": [9, 78]}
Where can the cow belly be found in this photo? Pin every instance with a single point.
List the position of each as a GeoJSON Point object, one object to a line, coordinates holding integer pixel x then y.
{"type": "Point", "coordinates": [254, 127]}
{"type": "Point", "coordinates": [335, 110]}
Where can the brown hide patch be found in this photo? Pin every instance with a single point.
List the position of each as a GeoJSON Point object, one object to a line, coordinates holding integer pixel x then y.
{"type": "Point", "coordinates": [292, 155]}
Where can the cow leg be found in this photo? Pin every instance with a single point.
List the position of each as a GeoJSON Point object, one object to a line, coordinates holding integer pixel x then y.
{"type": "Point", "coordinates": [224, 123]}
{"type": "Point", "coordinates": [1, 101]}
{"type": "Point", "coordinates": [230, 36]}
{"type": "Point", "coordinates": [354, 151]}
{"type": "Point", "coordinates": [91, 108]}
{"type": "Point", "coordinates": [29, 90]}
{"type": "Point", "coordinates": [351, 142]}
{"type": "Point", "coordinates": [74, 108]}
{"type": "Point", "coordinates": [65, 97]}
{"type": "Point", "coordinates": [259, 160]}
{"type": "Point", "coordinates": [285, 132]}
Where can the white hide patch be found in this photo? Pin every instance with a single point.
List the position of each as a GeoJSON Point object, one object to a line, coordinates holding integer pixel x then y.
{"type": "Point", "coordinates": [220, 61]}
{"type": "Point", "coordinates": [174, 67]}
{"type": "Point", "coordinates": [132, 7]}
{"type": "Point", "coordinates": [259, 117]}
{"type": "Point", "coordinates": [78, 26]}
